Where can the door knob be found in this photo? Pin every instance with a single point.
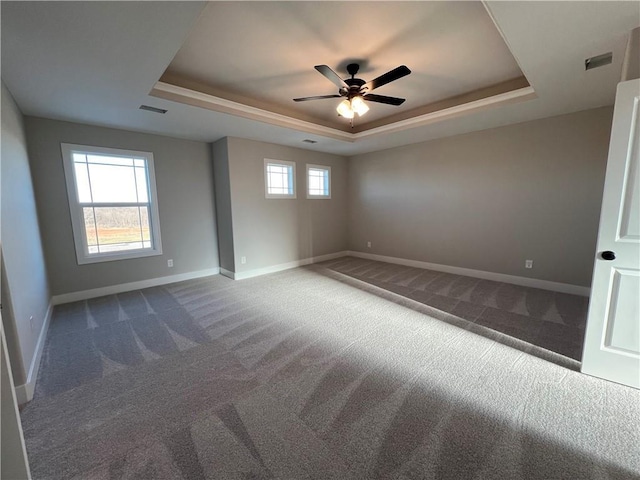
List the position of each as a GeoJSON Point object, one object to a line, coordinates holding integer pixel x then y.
{"type": "Point", "coordinates": [608, 255]}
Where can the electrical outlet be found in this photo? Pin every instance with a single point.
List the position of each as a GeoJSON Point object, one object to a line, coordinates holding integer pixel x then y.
{"type": "Point", "coordinates": [368, 244]}
{"type": "Point", "coordinates": [243, 260]}
{"type": "Point", "coordinates": [170, 263]}
{"type": "Point", "coordinates": [528, 264]}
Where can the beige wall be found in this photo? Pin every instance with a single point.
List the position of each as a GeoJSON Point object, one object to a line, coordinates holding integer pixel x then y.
{"type": "Point", "coordinates": [25, 290]}
{"type": "Point", "coordinates": [184, 180]}
{"type": "Point", "coordinates": [489, 200]}
{"type": "Point", "coordinates": [270, 232]}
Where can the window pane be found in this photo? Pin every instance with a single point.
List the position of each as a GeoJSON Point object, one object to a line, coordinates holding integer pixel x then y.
{"type": "Point", "coordinates": [318, 181]}
{"type": "Point", "coordinates": [83, 188]}
{"type": "Point", "coordinates": [314, 183]}
{"type": "Point", "coordinates": [80, 157]}
{"type": "Point", "coordinates": [104, 159]}
{"type": "Point", "coordinates": [90, 229]}
{"type": "Point", "coordinates": [121, 228]}
{"type": "Point", "coordinates": [279, 179]}
{"type": "Point", "coordinates": [279, 169]}
{"type": "Point", "coordinates": [144, 224]}
{"type": "Point", "coordinates": [290, 179]}
{"type": "Point", "coordinates": [141, 184]}
{"type": "Point", "coordinates": [112, 184]}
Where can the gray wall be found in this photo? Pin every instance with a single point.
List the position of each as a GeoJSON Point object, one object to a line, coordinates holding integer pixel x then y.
{"type": "Point", "coordinates": [273, 231]}
{"type": "Point", "coordinates": [489, 200]}
{"type": "Point", "coordinates": [25, 291]}
{"type": "Point", "coordinates": [223, 203]}
{"type": "Point", "coordinates": [184, 180]}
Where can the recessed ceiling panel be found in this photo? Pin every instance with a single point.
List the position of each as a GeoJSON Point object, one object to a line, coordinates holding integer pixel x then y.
{"type": "Point", "coordinates": [262, 54]}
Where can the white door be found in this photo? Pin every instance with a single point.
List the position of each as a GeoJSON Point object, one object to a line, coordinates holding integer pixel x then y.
{"type": "Point", "coordinates": [612, 340]}
{"type": "Point", "coordinates": [13, 454]}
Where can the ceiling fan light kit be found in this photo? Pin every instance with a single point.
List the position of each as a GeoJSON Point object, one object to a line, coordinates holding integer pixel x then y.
{"type": "Point", "coordinates": [358, 106]}
{"type": "Point", "coordinates": [357, 90]}
{"type": "Point", "coordinates": [344, 109]}
{"type": "Point", "coordinates": [348, 108]}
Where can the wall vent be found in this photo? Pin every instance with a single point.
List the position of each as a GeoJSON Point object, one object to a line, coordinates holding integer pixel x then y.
{"type": "Point", "coordinates": [153, 109]}
{"type": "Point", "coordinates": [308, 140]}
{"type": "Point", "coordinates": [598, 61]}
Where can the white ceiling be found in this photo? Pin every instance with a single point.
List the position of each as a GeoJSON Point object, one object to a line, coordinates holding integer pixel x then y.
{"type": "Point", "coordinates": [96, 63]}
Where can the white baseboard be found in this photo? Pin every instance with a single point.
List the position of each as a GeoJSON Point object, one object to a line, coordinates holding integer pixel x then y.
{"type": "Point", "coordinates": [282, 266]}
{"type": "Point", "coordinates": [497, 277]}
{"type": "Point", "coordinates": [24, 393]}
{"type": "Point", "coordinates": [127, 287]}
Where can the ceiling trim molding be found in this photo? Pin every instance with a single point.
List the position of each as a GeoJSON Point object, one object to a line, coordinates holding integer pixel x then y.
{"type": "Point", "coordinates": [522, 94]}
{"type": "Point", "coordinates": [218, 104]}
{"type": "Point", "coordinates": [187, 96]}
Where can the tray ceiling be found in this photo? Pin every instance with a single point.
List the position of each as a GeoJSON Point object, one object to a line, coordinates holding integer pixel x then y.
{"type": "Point", "coordinates": [262, 54]}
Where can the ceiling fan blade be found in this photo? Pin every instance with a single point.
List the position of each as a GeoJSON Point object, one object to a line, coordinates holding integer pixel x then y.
{"type": "Point", "coordinates": [317, 97]}
{"type": "Point", "coordinates": [331, 75]}
{"type": "Point", "coordinates": [390, 76]}
{"type": "Point", "coordinates": [370, 97]}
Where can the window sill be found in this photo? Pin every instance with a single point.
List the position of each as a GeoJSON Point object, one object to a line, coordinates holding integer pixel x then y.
{"type": "Point", "coordinates": [128, 255]}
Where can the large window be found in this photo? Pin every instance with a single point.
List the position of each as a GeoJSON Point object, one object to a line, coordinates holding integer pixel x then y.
{"type": "Point", "coordinates": [279, 179]}
{"type": "Point", "coordinates": [113, 203]}
{"type": "Point", "coordinates": [318, 181]}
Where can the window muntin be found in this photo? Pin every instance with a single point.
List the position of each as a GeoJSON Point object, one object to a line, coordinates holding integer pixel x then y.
{"type": "Point", "coordinates": [318, 181]}
{"type": "Point", "coordinates": [113, 203]}
{"type": "Point", "coordinates": [279, 179]}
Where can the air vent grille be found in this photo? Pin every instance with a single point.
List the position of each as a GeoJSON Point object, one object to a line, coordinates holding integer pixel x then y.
{"type": "Point", "coordinates": [153, 109]}
{"type": "Point", "coordinates": [598, 61]}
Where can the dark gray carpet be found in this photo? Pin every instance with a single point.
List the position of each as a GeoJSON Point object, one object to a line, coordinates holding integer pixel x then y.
{"type": "Point", "coordinates": [307, 374]}
{"type": "Point", "coordinates": [550, 320]}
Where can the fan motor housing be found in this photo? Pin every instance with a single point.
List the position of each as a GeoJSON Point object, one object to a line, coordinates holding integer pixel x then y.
{"type": "Point", "coordinates": [355, 84]}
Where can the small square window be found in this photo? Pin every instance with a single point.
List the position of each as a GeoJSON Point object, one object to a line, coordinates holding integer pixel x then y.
{"type": "Point", "coordinates": [318, 181]}
{"type": "Point", "coordinates": [279, 179]}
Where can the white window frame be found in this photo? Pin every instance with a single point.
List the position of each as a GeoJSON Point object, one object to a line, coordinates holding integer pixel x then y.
{"type": "Point", "coordinates": [270, 161]}
{"type": "Point", "coordinates": [75, 207]}
{"type": "Point", "coordinates": [319, 167]}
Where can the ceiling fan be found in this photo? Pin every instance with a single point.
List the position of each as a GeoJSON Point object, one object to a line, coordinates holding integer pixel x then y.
{"type": "Point", "coordinates": [356, 90]}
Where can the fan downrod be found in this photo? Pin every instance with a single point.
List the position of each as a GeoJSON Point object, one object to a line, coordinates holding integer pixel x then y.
{"type": "Point", "coordinates": [354, 84]}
